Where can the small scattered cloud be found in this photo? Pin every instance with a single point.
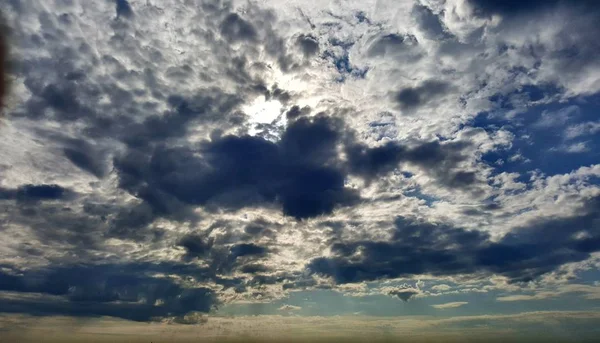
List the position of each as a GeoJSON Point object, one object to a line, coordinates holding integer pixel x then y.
{"type": "Point", "coordinates": [441, 288]}
{"type": "Point", "coordinates": [450, 305]}
{"type": "Point", "coordinates": [289, 308]}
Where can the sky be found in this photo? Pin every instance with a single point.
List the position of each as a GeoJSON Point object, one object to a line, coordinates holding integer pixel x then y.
{"type": "Point", "coordinates": [187, 169]}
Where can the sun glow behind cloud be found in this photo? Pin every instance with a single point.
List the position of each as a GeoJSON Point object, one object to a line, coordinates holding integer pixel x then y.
{"type": "Point", "coordinates": [262, 111]}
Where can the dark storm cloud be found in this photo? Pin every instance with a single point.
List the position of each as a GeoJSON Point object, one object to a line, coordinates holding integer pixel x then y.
{"type": "Point", "coordinates": [414, 97]}
{"type": "Point", "coordinates": [295, 112]}
{"type": "Point", "coordinates": [196, 245]}
{"type": "Point", "coordinates": [124, 9]}
{"type": "Point", "coordinates": [126, 290]}
{"type": "Point", "coordinates": [63, 99]}
{"type": "Point", "coordinates": [371, 162]}
{"type": "Point", "coordinates": [256, 230]}
{"type": "Point", "coordinates": [234, 29]}
{"type": "Point", "coordinates": [518, 7]}
{"type": "Point", "coordinates": [422, 248]}
{"type": "Point", "coordinates": [34, 193]}
{"type": "Point", "coordinates": [302, 173]}
{"type": "Point", "coordinates": [119, 290]}
{"type": "Point", "coordinates": [308, 44]}
{"type": "Point", "coordinates": [225, 252]}
{"type": "Point", "coordinates": [429, 22]}
{"type": "Point", "coordinates": [209, 105]}
{"type": "Point", "coordinates": [80, 225]}
{"type": "Point", "coordinates": [41, 192]}
{"type": "Point", "coordinates": [437, 159]}
{"type": "Point", "coordinates": [279, 94]}
{"type": "Point", "coordinates": [247, 249]}
{"type": "Point", "coordinates": [299, 173]}
{"type": "Point", "coordinates": [86, 157]}
{"type": "Point", "coordinates": [254, 269]}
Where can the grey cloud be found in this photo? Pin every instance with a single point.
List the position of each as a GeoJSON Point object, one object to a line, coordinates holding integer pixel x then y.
{"type": "Point", "coordinates": [429, 22]}
{"type": "Point", "coordinates": [86, 157]}
{"type": "Point", "coordinates": [255, 230]}
{"type": "Point", "coordinates": [439, 160]}
{"type": "Point", "coordinates": [301, 173]}
{"type": "Point", "coordinates": [279, 94]}
{"type": "Point", "coordinates": [123, 8]}
{"type": "Point", "coordinates": [294, 173]}
{"type": "Point", "coordinates": [392, 44]}
{"type": "Point", "coordinates": [222, 256]}
{"type": "Point", "coordinates": [414, 97]}
{"type": "Point", "coordinates": [196, 245]}
{"type": "Point", "coordinates": [234, 29]}
{"type": "Point", "coordinates": [405, 294]}
{"type": "Point", "coordinates": [33, 193]}
{"type": "Point", "coordinates": [441, 250]}
{"type": "Point", "coordinates": [515, 8]}
{"type": "Point", "coordinates": [247, 249]}
{"type": "Point", "coordinates": [124, 291]}
{"type": "Point", "coordinates": [295, 112]}
{"type": "Point", "coordinates": [254, 269]}
{"type": "Point", "coordinates": [308, 44]}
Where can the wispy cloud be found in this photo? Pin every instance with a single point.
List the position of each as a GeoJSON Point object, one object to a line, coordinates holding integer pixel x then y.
{"type": "Point", "coordinates": [450, 305]}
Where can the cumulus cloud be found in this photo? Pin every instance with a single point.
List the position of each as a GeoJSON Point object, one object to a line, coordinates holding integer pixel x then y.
{"type": "Point", "coordinates": [442, 287]}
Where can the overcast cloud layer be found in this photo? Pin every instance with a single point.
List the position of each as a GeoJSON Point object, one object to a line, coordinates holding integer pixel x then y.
{"type": "Point", "coordinates": [165, 159]}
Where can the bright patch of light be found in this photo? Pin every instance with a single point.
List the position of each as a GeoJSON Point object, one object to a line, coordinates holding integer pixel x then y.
{"type": "Point", "coordinates": [263, 111]}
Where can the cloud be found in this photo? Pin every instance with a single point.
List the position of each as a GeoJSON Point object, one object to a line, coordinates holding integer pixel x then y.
{"type": "Point", "coordinates": [439, 160]}
{"type": "Point", "coordinates": [295, 111]}
{"type": "Point", "coordinates": [422, 248]}
{"type": "Point", "coordinates": [35, 193]}
{"type": "Point", "coordinates": [195, 245]}
{"type": "Point", "coordinates": [124, 9]}
{"type": "Point", "coordinates": [289, 308]}
{"type": "Point", "coordinates": [583, 129]}
{"type": "Point", "coordinates": [441, 288]}
{"type": "Point", "coordinates": [302, 172]}
{"type": "Point", "coordinates": [521, 297]}
{"type": "Point", "coordinates": [414, 97]}
{"type": "Point", "coordinates": [3, 62]}
{"type": "Point", "coordinates": [404, 294]}
{"type": "Point", "coordinates": [132, 159]}
{"type": "Point", "coordinates": [586, 291]}
{"type": "Point", "coordinates": [308, 44]}
{"type": "Point", "coordinates": [429, 22]}
{"type": "Point", "coordinates": [449, 305]}
{"type": "Point", "coordinates": [508, 8]}
{"type": "Point", "coordinates": [393, 44]}
{"type": "Point", "coordinates": [299, 173]}
{"type": "Point", "coordinates": [234, 28]}
{"type": "Point", "coordinates": [124, 291]}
